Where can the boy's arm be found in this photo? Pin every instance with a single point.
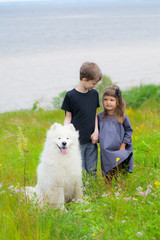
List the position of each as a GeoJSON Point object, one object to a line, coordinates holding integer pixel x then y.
{"type": "Point", "coordinates": [95, 134]}
{"type": "Point", "coordinates": [68, 118]}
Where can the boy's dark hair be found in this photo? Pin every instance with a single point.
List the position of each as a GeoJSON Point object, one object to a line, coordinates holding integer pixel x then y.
{"type": "Point", "coordinates": [90, 71]}
{"type": "Point", "coordinates": [114, 91]}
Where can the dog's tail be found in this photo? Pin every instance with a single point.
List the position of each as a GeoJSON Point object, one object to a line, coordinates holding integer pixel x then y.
{"type": "Point", "coordinates": [30, 192]}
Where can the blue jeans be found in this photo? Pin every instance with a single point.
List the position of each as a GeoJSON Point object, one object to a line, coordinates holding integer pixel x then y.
{"type": "Point", "coordinates": [89, 153]}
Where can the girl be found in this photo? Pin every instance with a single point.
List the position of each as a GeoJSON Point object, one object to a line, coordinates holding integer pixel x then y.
{"type": "Point", "coordinates": [115, 133]}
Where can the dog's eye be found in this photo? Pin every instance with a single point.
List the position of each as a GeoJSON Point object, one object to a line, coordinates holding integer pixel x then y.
{"type": "Point", "coordinates": [67, 138]}
{"type": "Point", "coordinates": [59, 138]}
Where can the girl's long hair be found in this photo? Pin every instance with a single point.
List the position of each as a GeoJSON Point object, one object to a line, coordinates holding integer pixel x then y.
{"type": "Point", "coordinates": [114, 91]}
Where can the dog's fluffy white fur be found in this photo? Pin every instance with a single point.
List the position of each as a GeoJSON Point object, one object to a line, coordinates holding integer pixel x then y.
{"type": "Point", "coordinates": [59, 172]}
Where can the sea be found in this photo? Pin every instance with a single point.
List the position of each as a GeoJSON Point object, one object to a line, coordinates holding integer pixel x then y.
{"type": "Point", "coordinates": [43, 45]}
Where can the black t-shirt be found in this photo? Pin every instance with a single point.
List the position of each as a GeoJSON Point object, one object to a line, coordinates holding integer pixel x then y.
{"type": "Point", "coordinates": [83, 108]}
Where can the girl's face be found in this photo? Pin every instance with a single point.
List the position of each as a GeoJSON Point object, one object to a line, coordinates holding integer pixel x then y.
{"type": "Point", "coordinates": [110, 104]}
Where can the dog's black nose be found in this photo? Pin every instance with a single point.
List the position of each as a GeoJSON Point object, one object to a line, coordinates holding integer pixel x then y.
{"type": "Point", "coordinates": [64, 143]}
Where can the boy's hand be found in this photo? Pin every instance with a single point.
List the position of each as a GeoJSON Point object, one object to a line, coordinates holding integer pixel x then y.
{"type": "Point", "coordinates": [95, 137]}
{"type": "Point", "coordinates": [123, 146]}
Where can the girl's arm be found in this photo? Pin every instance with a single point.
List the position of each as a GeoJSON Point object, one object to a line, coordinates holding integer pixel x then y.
{"type": "Point", "coordinates": [95, 134]}
{"type": "Point", "coordinates": [128, 131]}
{"type": "Point", "coordinates": [123, 146]}
{"type": "Point", "coordinates": [68, 118]}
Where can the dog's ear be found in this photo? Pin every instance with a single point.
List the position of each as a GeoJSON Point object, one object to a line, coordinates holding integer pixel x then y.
{"type": "Point", "coordinates": [71, 126]}
{"type": "Point", "coordinates": [54, 126]}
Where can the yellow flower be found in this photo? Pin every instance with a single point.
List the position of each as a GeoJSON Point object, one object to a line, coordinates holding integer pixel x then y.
{"type": "Point", "coordinates": [99, 150]}
{"type": "Point", "coordinates": [93, 234]}
{"type": "Point", "coordinates": [157, 184]}
{"type": "Point", "coordinates": [134, 199]}
{"type": "Point", "coordinates": [117, 159]}
{"type": "Point", "coordinates": [1, 164]}
{"type": "Point", "coordinates": [130, 112]}
{"type": "Point", "coordinates": [154, 130]}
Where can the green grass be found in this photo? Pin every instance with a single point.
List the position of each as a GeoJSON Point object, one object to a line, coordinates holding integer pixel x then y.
{"type": "Point", "coordinates": [138, 96]}
{"type": "Point", "coordinates": [118, 212]}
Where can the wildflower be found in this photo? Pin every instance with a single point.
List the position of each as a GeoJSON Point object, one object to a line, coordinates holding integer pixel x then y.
{"type": "Point", "coordinates": [0, 185]}
{"type": "Point", "coordinates": [1, 164]}
{"type": "Point", "coordinates": [88, 210]}
{"type": "Point", "coordinates": [123, 221]}
{"type": "Point", "coordinates": [105, 195]}
{"type": "Point", "coordinates": [10, 187]}
{"type": "Point", "coordinates": [78, 200]}
{"type": "Point", "coordinates": [86, 183]}
{"type": "Point", "coordinates": [148, 191]}
{"type": "Point", "coordinates": [134, 199]}
{"type": "Point", "coordinates": [93, 234]}
{"type": "Point", "coordinates": [130, 112]}
{"type": "Point", "coordinates": [99, 150]}
{"type": "Point", "coordinates": [141, 126]}
{"type": "Point", "coordinates": [139, 189]}
{"type": "Point", "coordinates": [127, 199]}
{"type": "Point", "coordinates": [154, 130]}
{"type": "Point", "coordinates": [117, 194]}
{"type": "Point", "coordinates": [143, 193]}
{"type": "Point", "coordinates": [139, 234]}
{"type": "Point", "coordinates": [157, 184]}
{"type": "Point", "coordinates": [86, 203]}
{"type": "Point", "coordinates": [117, 159]}
{"type": "Point", "coordinates": [16, 191]}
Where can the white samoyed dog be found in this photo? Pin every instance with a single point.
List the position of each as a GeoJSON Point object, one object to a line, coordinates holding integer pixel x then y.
{"type": "Point", "coordinates": [59, 173]}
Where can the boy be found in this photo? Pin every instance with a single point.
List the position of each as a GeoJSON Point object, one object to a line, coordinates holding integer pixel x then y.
{"type": "Point", "coordinates": [80, 106]}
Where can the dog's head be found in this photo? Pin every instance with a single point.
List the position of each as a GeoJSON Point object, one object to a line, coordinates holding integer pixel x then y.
{"type": "Point", "coordinates": [64, 137]}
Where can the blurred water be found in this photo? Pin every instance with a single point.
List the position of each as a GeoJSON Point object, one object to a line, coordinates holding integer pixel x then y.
{"type": "Point", "coordinates": [42, 47]}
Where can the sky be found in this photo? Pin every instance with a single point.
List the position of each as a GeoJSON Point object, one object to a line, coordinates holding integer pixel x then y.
{"type": "Point", "coordinates": [22, 0]}
{"type": "Point", "coordinates": [72, 1]}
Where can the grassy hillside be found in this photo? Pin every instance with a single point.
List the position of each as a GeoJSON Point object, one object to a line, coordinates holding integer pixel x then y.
{"type": "Point", "coordinates": [130, 209]}
{"type": "Point", "coordinates": [142, 96]}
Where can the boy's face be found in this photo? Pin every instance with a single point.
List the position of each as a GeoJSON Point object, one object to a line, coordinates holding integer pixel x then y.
{"type": "Point", "coordinates": [89, 84]}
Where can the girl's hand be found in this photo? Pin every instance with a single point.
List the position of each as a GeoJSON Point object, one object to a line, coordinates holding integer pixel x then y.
{"type": "Point", "coordinates": [123, 146]}
{"type": "Point", "coordinates": [95, 137]}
